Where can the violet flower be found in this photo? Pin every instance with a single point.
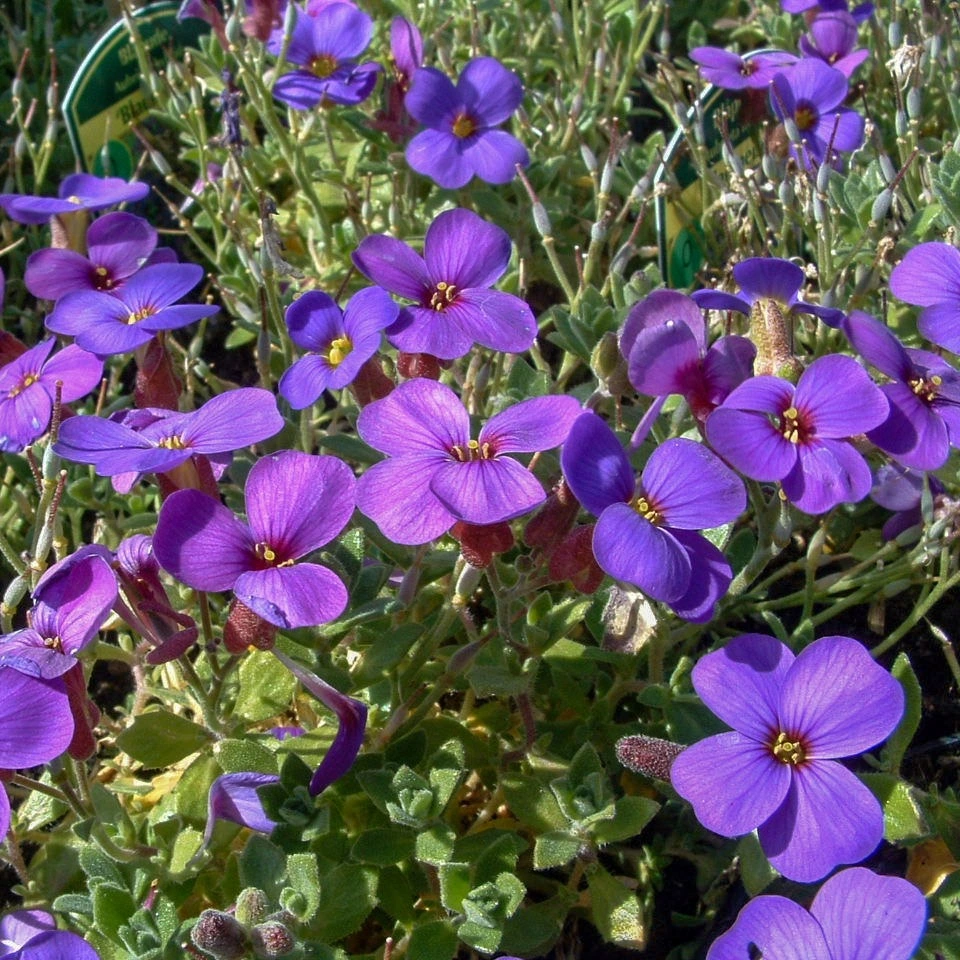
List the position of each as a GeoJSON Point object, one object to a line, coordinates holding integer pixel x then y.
{"type": "Point", "coordinates": [36, 726]}
{"type": "Point", "coordinates": [340, 341]}
{"type": "Point", "coordinates": [166, 439]}
{"type": "Point", "coordinates": [454, 308]}
{"type": "Point", "coordinates": [79, 191]}
{"type": "Point", "coordinates": [28, 388]}
{"type": "Point", "coordinates": [33, 935]}
{"type": "Point", "coordinates": [924, 396]}
{"type": "Point", "coordinates": [233, 797]}
{"type": "Point", "coordinates": [730, 71]}
{"type": "Point", "coordinates": [118, 244]}
{"type": "Point", "coordinates": [436, 474]}
{"type": "Point", "coordinates": [646, 531]}
{"type": "Point", "coordinates": [929, 277]}
{"type": "Point", "coordinates": [406, 55]}
{"type": "Point", "coordinates": [146, 304]}
{"type": "Point", "coordinates": [810, 95]}
{"type": "Point", "coordinates": [67, 615]}
{"type": "Point", "coordinates": [295, 504]}
{"type": "Point", "coordinates": [860, 12]}
{"type": "Point", "coordinates": [901, 490]}
{"type": "Point", "coordinates": [832, 38]}
{"type": "Point", "coordinates": [769, 429]}
{"type": "Point", "coordinates": [793, 718]}
{"type": "Point", "coordinates": [664, 341]}
{"type": "Point", "coordinates": [325, 46]}
{"type": "Point", "coordinates": [766, 283]}
{"type": "Point", "coordinates": [856, 914]}
{"type": "Point", "coordinates": [462, 139]}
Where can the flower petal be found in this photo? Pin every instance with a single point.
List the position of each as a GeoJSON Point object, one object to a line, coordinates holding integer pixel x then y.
{"type": "Point", "coordinates": [486, 491]}
{"type": "Point", "coordinates": [493, 319]}
{"type": "Point", "coordinates": [297, 502]}
{"type": "Point", "coordinates": [595, 465]}
{"type": "Point", "coordinates": [741, 683]}
{"type": "Point", "coordinates": [710, 576]}
{"type": "Point", "coordinates": [439, 154]}
{"type": "Point", "coordinates": [750, 442]}
{"type": "Point", "coordinates": [232, 420]}
{"type": "Point", "coordinates": [432, 99]}
{"type": "Point", "coordinates": [733, 783]}
{"type": "Point", "coordinates": [304, 382]}
{"type": "Point", "coordinates": [839, 397]}
{"type": "Point", "coordinates": [304, 595]}
{"type": "Point", "coordinates": [494, 155]}
{"type": "Point", "coordinates": [52, 273]}
{"type": "Point", "coordinates": [827, 472]}
{"type": "Point", "coordinates": [769, 277]}
{"type": "Point", "coordinates": [490, 90]}
{"type": "Point", "coordinates": [660, 309]}
{"type": "Point", "coordinates": [928, 275]}
{"type": "Point", "coordinates": [775, 927]}
{"type": "Point", "coordinates": [314, 320]}
{"type": "Point", "coordinates": [391, 264]}
{"type": "Point", "coordinates": [78, 370]}
{"type": "Point", "coordinates": [839, 699]}
{"type": "Point", "coordinates": [36, 724]}
{"type": "Point", "coordinates": [940, 324]}
{"type": "Point", "coordinates": [828, 818]}
{"type": "Point", "coordinates": [464, 249]}
{"type": "Point", "coordinates": [233, 797]}
{"type": "Point", "coordinates": [540, 423]}
{"type": "Point", "coordinates": [878, 345]}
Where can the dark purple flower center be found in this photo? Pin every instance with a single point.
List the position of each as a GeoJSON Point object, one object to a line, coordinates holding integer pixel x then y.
{"type": "Point", "coordinates": [443, 295]}
{"type": "Point", "coordinates": [102, 279]}
{"type": "Point", "coordinates": [805, 116]}
{"type": "Point", "coordinates": [266, 556]}
{"type": "Point", "coordinates": [794, 426]}
{"type": "Point", "coordinates": [926, 389]}
{"type": "Point", "coordinates": [748, 68]}
{"type": "Point", "coordinates": [323, 65]}
{"type": "Point", "coordinates": [789, 748]}
{"type": "Point", "coordinates": [464, 125]}
{"type": "Point", "coordinates": [28, 380]}
{"type": "Point", "coordinates": [473, 451]}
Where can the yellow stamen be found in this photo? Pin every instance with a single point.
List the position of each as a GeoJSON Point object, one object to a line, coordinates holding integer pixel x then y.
{"type": "Point", "coordinates": [788, 751]}
{"type": "Point", "coordinates": [646, 510]}
{"type": "Point", "coordinates": [141, 314]}
{"type": "Point", "coordinates": [463, 126]}
{"type": "Point", "coordinates": [339, 350]}
{"type": "Point", "coordinates": [28, 381]}
{"type": "Point", "coordinates": [791, 425]}
{"type": "Point", "coordinates": [443, 296]}
{"type": "Point", "coordinates": [172, 443]}
{"type": "Point", "coordinates": [323, 66]}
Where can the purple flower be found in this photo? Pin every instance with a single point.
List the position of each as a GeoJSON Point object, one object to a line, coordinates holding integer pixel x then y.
{"type": "Point", "coordinates": [80, 191]}
{"type": "Point", "coordinates": [406, 51]}
{"type": "Point", "coordinates": [234, 797]}
{"type": "Point", "coordinates": [326, 46]}
{"type": "Point", "coordinates": [462, 140]}
{"type": "Point", "coordinates": [832, 38]}
{"type": "Point", "coordinates": [161, 440]}
{"type": "Point", "coordinates": [118, 244]}
{"type": "Point", "coordinates": [793, 718]}
{"type": "Point", "coordinates": [107, 324]}
{"type": "Point", "coordinates": [901, 490]}
{"type": "Point", "coordinates": [33, 935]}
{"type": "Point", "coordinates": [28, 388]}
{"type": "Point", "coordinates": [924, 396]}
{"type": "Point", "coordinates": [295, 504]}
{"type": "Point", "coordinates": [436, 475]}
{"type": "Point", "coordinates": [770, 430]}
{"type": "Point", "coordinates": [860, 13]}
{"type": "Point", "coordinates": [855, 915]}
{"type": "Point", "coordinates": [68, 612]}
{"type": "Point", "coordinates": [645, 534]}
{"type": "Point", "coordinates": [664, 340]}
{"type": "Point", "coordinates": [929, 277]}
{"type": "Point", "coordinates": [340, 341]}
{"type": "Point", "coordinates": [733, 72]}
{"type": "Point", "coordinates": [463, 256]}
{"type": "Point", "coordinates": [810, 95]}
{"type": "Point", "coordinates": [766, 281]}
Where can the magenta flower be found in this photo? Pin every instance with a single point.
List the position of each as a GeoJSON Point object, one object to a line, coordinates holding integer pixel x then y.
{"type": "Point", "coordinates": [107, 324]}
{"type": "Point", "coordinates": [68, 612]}
{"type": "Point", "coordinates": [924, 396]}
{"type": "Point", "coordinates": [325, 45]}
{"type": "Point", "coordinates": [161, 440]}
{"type": "Point", "coordinates": [436, 474]}
{"type": "Point", "coordinates": [118, 244]}
{"type": "Point", "coordinates": [832, 38]}
{"type": "Point", "coordinates": [340, 341]}
{"type": "Point", "coordinates": [646, 531]}
{"type": "Point", "coordinates": [793, 718]}
{"type": "Point", "coordinates": [854, 916]}
{"type": "Point", "coordinates": [462, 139]}
{"type": "Point", "coordinates": [664, 341]}
{"type": "Point", "coordinates": [79, 191]}
{"type": "Point", "coordinates": [33, 935]}
{"type": "Point", "coordinates": [769, 429]}
{"type": "Point", "coordinates": [454, 308]}
{"type": "Point", "coordinates": [733, 72]}
{"type": "Point", "coordinates": [811, 94]}
{"type": "Point", "coordinates": [28, 388]}
{"type": "Point", "coordinates": [766, 279]}
{"type": "Point", "coordinates": [929, 277]}
{"type": "Point", "coordinates": [295, 504]}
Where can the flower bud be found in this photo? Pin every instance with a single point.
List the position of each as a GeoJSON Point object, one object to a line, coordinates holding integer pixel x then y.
{"type": "Point", "coordinates": [881, 206]}
{"type": "Point", "coordinates": [914, 103]}
{"type": "Point", "coordinates": [589, 158]}
{"type": "Point", "coordinates": [650, 756]}
{"type": "Point", "coordinates": [220, 935]}
{"type": "Point", "coordinates": [244, 629]}
{"type": "Point", "coordinates": [252, 906]}
{"type": "Point", "coordinates": [272, 939]}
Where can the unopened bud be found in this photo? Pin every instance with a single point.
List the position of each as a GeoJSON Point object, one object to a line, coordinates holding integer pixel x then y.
{"type": "Point", "coordinates": [887, 168]}
{"type": "Point", "coordinates": [589, 158]}
{"type": "Point", "coordinates": [819, 210]}
{"type": "Point", "coordinates": [786, 193]}
{"type": "Point", "coordinates": [252, 906]}
{"type": "Point", "coordinates": [900, 123]}
{"type": "Point", "coordinates": [823, 177]}
{"type": "Point", "coordinates": [541, 220]}
{"type": "Point", "coordinates": [272, 939]}
{"type": "Point", "coordinates": [881, 206]}
{"type": "Point", "coordinates": [244, 629]}
{"type": "Point", "coordinates": [650, 756]}
{"type": "Point", "coordinates": [914, 103]}
{"type": "Point", "coordinates": [894, 34]}
{"type": "Point", "coordinates": [220, 935]}
{"type": "Point", "coordinates": [770, 167]}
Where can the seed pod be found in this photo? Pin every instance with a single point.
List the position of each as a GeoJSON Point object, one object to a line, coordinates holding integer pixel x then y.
{"type": "Point", "coordinates": [589, 158]}
{"type": "Point", "coordinates": [914, 103]}
{"type": "Point", "coordinates": [881, 206]}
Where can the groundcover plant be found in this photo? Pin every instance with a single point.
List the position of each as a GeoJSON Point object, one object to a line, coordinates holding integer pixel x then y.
{"type": "Point", "coordinates": [443, 516]}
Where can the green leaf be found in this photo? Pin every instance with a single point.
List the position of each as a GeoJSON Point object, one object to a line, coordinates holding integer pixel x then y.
{"type": "Point", "coordinates": [899, 740]}
{"type": "Point", "coordinates": [435, 844]}
{"type": "Point", "coordinates": [533, 930]}
{"type": "Point", "coordinates": [347, 895]}
{"type": "Point", "coordinates": [616, 911]}
{"type": "Point", "coordinates": [554, 849]}
{"type": "Point", "coordinates": [383, 846]}
{"type": "Point", "coordinates": [112, 908]}
{"type": "Point", "coordinates": [532, 803]}
{"type": "Point", "coordinates": [433, 941]}
{"type": "Point", "coordinates": [266, 687]}
{"type": "Point", "coordinates": [631, 816]}
{"type": "Point", "coordinates": [185, 846]}
{"type": "Point", "coordinates": [902, 818]}
{"type": "Point", "coordinates": [755, 869]}
{"type": "Point", "coordinates": [303, 876]}
{"type": "Point", "coordinates": [160, 738]}
{"type": "Point", "coordinates": [244, 756]}
{"type": "Point", "coordinates": [455, 884]}
{"type": "Point", "coordinates": [263, 865]}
